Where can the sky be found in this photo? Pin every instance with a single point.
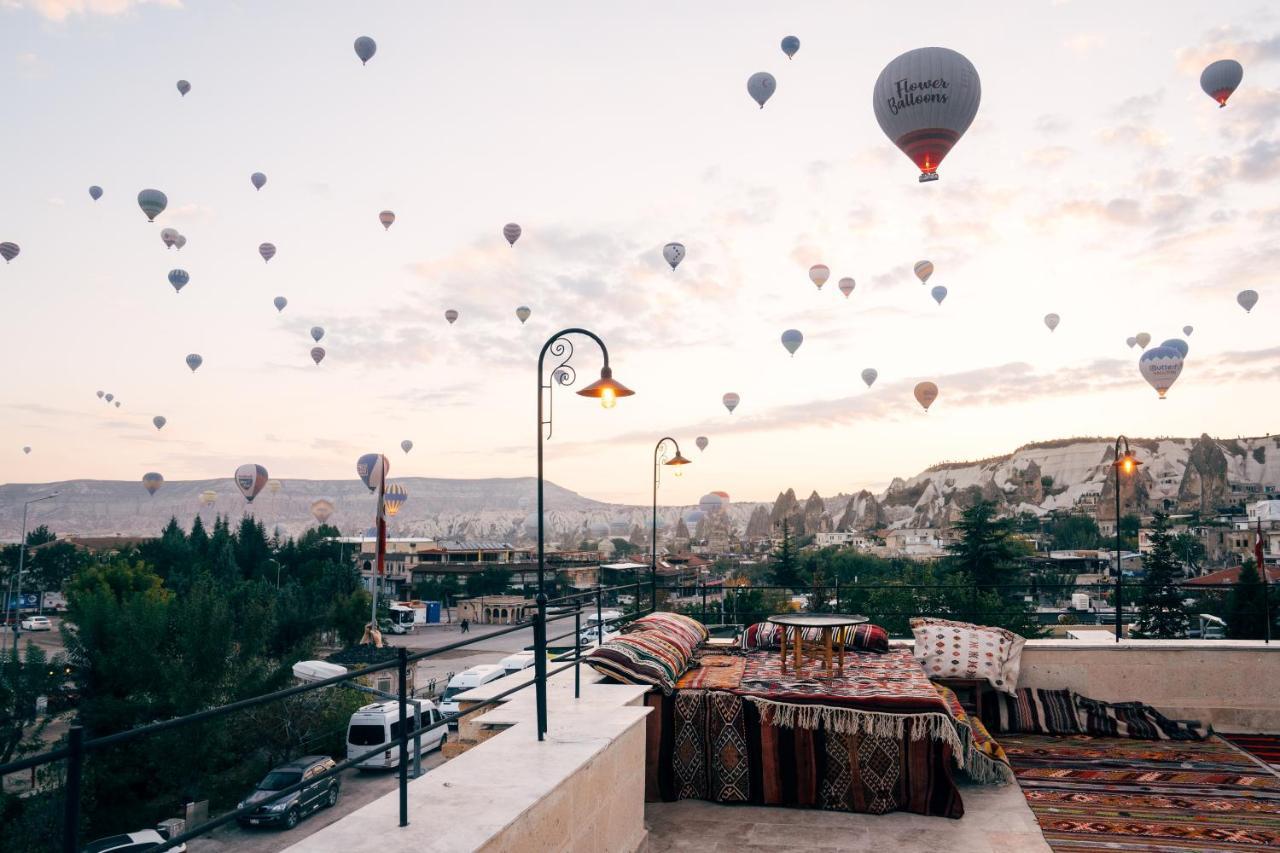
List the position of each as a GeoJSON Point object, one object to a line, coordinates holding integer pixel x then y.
{"type": "Point", "coordinates": [1097, 182]}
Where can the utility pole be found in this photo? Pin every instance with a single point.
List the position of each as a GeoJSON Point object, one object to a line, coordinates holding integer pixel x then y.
{"type": "Point", "coordinates": [22, 554]}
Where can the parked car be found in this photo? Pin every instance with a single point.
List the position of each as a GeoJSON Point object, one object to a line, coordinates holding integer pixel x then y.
{"type": "Point", "coordinates": [516, 662]}
{"type": "Point", "coordinates": [130, 842]}
{"type": "Point", "coordinates": [379, 725]}
{"type": "Point", "coordinates": [288, 810]}
{"type": "Point", "coordinates": [37, 623]}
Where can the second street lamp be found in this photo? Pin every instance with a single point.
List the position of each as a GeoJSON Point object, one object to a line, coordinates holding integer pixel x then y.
{"type": "Point", "coordinates": [1127, 465]}
{"type": "Point", "coordinates": [659, 459]}
{"type": "Point", "coordinates": [607, 390]}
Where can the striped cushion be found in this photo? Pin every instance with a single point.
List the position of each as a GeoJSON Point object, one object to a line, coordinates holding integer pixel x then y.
{"type": "Point", "coordinates": [1046, 712]}
{"type": "Point", "coordinates": [1132, 719]}
{"type": "Point", "coordinates": [682, 630]}
{"type": "Point", "coordinates": [865, 637]}
{"type": "Point", "coordinates": [641, 657]}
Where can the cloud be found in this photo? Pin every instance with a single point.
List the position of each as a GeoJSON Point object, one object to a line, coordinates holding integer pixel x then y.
{"type": "Point", "coordinates": [1134, 134]}
{"type": "Point", "coordinates": [1050, 155]}
{"type": "Point", "coordinates": [1257, 162]}
{"type": "Point", "coordinates": [1083, 44]}
{"type": "Point", "coordinates": [1228, 42]}
{"type": "Point", "coordinates": [1051, 124]}
{"type": "Point", "coordinates": [60, 10]}
{"type": "Point", "coordinates": [1139, 107]}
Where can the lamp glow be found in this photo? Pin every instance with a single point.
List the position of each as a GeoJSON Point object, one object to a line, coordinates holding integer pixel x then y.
{"type": "Point", "coordinates": [608, 399]}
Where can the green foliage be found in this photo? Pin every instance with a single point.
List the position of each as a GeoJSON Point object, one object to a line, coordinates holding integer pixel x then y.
{"type": "Point", "coordinates": [1161, 614]}
{"type": "Point", "coordinates": [1246, 605]}
{"type": "Point", "coordinates": [784, 564]}
{"type": "Point", "coordinates": [1129, 527]}
{"type": "Point", "coordinates": [1073, 532]}
{"type": "Point", "coordinates": [491, 580]}
{"type": "Point", "coordinates": [40, 536]}
{"type": "Point", "coordinates": [985, 551]}
{"type": "Point", "coordinates": [623, 548]}
{"type": "Point", "coordinates": [1188, 548]}
{"type": "Point", "coordinates": [23, 679]}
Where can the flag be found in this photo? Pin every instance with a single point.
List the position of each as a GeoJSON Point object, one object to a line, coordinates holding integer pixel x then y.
{"type": "Point", "coordinates": [1257, 553]}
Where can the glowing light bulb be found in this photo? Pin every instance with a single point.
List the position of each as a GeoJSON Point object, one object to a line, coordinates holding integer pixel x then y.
{"type": "Point", "coordinates": [608, 399]}
{"type": "Point", "coordinates": [1127, 465]}
{"type": "Point", "coordinates": [679, 470]}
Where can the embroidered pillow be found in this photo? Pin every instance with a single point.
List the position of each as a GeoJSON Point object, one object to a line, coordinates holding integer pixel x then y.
{"type": "Point", "coordinates": [641, 657]}
{"type": "Point", "coordinates": [1046, 712]}
{"type": "Point", "coordinates": [949, 649]}
{"type": "Point", "coordinates": [865, 637]}
{"type": "Point", "coordinates": [682, 630]}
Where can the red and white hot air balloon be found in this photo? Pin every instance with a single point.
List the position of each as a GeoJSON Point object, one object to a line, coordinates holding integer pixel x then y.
{"type": "Point", "coordinates": [924, 101]}
{"type": "Point", "coordinates": [1219, 79]}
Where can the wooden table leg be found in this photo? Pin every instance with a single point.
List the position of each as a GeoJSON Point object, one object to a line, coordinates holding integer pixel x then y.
{"type": "Point", "coordinates": [826, 649]}
{"type": "Point", "coordinates": [842, 654]}
{"type": "Point", "coordinates": [797, 640]}
{"type": "Point", "coordinates": [782, 645]}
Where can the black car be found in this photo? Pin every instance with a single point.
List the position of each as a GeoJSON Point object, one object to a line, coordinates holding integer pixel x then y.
{"type": "Point", "coordinates": [290, 809]}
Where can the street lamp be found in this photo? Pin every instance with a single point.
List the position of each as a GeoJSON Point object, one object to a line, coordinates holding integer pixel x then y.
{"type": "Point", "coordinates": [1125, 464]}
{"type": "Point", "coordinates": [660, 459]}
{"type": "Point", "coordinates": [605, 389]}
{"type": "Point", "coordinates": [22, 554]}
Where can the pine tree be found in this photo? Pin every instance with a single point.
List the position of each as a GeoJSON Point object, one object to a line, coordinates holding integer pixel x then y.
{"type": "Point", "coordinates": [785, 571]}
{"type": "Point", "coordinates": [1246, 612]}
{"type": "Point", "coordinates": [984, 552]}
{"type": "Point", "coordinates": [1160, 611]}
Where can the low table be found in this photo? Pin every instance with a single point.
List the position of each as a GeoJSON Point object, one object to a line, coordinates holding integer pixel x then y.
{"type": "Point", "coordinates": [794, 624]}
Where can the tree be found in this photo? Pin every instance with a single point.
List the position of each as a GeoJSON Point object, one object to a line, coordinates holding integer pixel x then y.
{"type": "Point", "coordinates": [1129, 527]}
{"type": "Point", "coordinates": [785, 569]}
{"type": "Point", "coordinates": [1190, 550]}
{"type": "Point", "coordinates": [1160, 611]}
{"type": "Point", "coordinates": [1246, 606]}
{"type": "Point", "coordinates": [490, 581]}
{"type": "Point", "coordinates": [39, 536]}
{"type": "Point", "coordinates": [623, 548]}
{"type": "Point", "coordinates": [985, 551]}
{"type": "Point", "coordinates": [1073, 532]}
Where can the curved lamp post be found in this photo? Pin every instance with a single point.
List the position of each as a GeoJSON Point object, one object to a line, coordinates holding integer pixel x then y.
{"type": "Point", "coordinates": [605, 389]}
{"type": "Point", "coordinates": [1127, 465]}
{"type": "Point", "coordinates": [659, 459]}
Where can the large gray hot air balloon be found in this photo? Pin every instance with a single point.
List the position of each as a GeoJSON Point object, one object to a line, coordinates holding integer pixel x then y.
{"type": "Point", "coordinates": [511, 232]}
{"type": "Point", "coordinates": [924, 101]}
{"type": "Point", "coordinates": [847, 285]}
{"type": "Point", "coordinates": [258, 180]}
{"type": "Point", "coordinates": [1219, 79]}
{"type": "Point", "coordinates": [938, 293]}
{"type": "Point", "coordinates": [152, 481]}
{"type": "Point", "coordinates": [1052, 321]}
{"type": "Point", "coordinates": [451, 315]}
{"type": "Point", "coordinates": [1177, 344]}
{"type": "Point", "coordinates": [183, 88]}
{"type": "Point", "coordinates": [250, 479]}
{"type": "Point", "coordinates": [523, 313]}
{"type": "Point", "coordinates": [869, 376]}
{"type": "Point", "coordinates": [387, 218]}
{"type": "Point", "coordinates": [1143, 339]}
{"type": "Point", "coordinates": [365, 49]}
{"type": "Point", "coordinates": [926, 393]}
{"type": "Point", "coordinates": [180, 241]}
{"type": "Point", "coordinates": [317, 354]}
{"type": "Point", "coordinates": [923, 269]}
{"type": "Point", "coordinates": [731, 401]}
{"type": "Point", "coordinates": [761, 86]}
{"type": "Point", "coordinates": [790, 45]}
{"type": "Point", "coordinates": [702, 441]}
{"type": "Point", "coordinates": [194, 360]}
{"type": "Point", "coordinates": [792, 339]}
{"type": "Point", "coordinates": [9, 251]}
{"type": "Point", "coordinates": [1187, 330]}
{"type": "Point", "coordinates": [1160, 366]}
{"type": "Point", "coordinates": [95, 192]}
{"type": "Point", "coordinates": [1247, 299]}
{"type": "Point", "coordinates": [673, 253]}
{"type": "Point", "coordinates": [317, 332]}
{"type": "Point", "coordinates": [153, 203]}
{"type": "Point", "coordinates": [818, 274]}
{"type": "Point", "coordinates": [268, 251]}
{"type": "Point", "coordinates": [279, 302]}
{"type": "Point", "coordinates": [406, 445]}
{"type": "Point", "coordinates": [159, 421]}
{"type": "Point", "coordinates": [169, 236]}
{"type": "Point", "coordinates": [179, 279]}
{"type": "Point", "coordinates": [100, 395]}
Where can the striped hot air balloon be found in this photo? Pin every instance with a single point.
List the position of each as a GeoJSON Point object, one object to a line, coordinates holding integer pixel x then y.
{"type": "Point", "coordinates": [1160, 366]}
{"type": "Point", "coordinates": [179, 279]}
{"type": "Point", "coordinates": [194, 361]}
{"type": "Point", "coordinates": [208, 497]}
{"type": "Point", "coordinates": [250, 480]}
{"type": "Point", "coordinates": [846, 286]}
{"type": "Point", "coordinates": [925, 100]}
{"type": "Point", "coordinates": [268, 251]}
{"type": "Point", "coordinates": [317, 354]}
{"type": "Point", "coordinates": [393, 499]}
{"type": "Point", "coordinates": [9, 251]}
{"type": "Point", "coordinates": [923, 269]}
{"type": "Point", "coordinates": [95, 192]}
{"type": "Point", "coordinates": [153, 203]}
{"type": "Point", "coordinates": [818, 274]}
{"type": "Point", "coordinates": [387, 218]}
{"type": "Point", "coordinates": [731, 401]}
{"type": "Point", "coordinates": [512, 232]}
{"type": "Point", "coordinates": [152, 481]}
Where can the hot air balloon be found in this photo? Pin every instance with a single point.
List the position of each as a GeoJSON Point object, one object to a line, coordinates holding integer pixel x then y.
{"type": "Point", "coordinates": [183, 88]}
{"type": "Point", "coordinates": [512, 232]}
{"type": "Point", "coordinates": [523, 313]}
{"type": "Point", "coordinates": [731, 401]}
{"type": "Point", "coordinates": [100, 395]}
{"type": "Point", "coordinates": [365, 49]}
{"type": "Point", "coordinates": [924, 101]}
{"type": "Point", "coordinates": [869, 376]}
{"type": "Point", "coordinates": [923, 270]}
{"type": "Point", "coordinates": [710, 503]}
{"type": "Point", "coordinates": [790, 45]}
{"type": "Point", "coordinates": [321, 510]}
{"type": "Point", "coordinates": [1130, 341]}
{"type": "Point", "coordinates": [279, 302]}
{"type": "Point", "coordinates": [406, 445]}
{"type": "Point", "coordinates": [117, 404]}
{"type": "Point", "coordinates": [317, 354]}
{"type": "Point", "coordinates": [1247, 299]}
{"type": "Point", "coordinates": [386, 217]}
{"type": "Point", "coordinates": [317, 332]}
{"type": "Point", "coordinates": [673, 253]}
{"type": "Point", "coordinates": [208, 497]}
{"type": "Point", "coordinates": [159, 421]}
{"type": "Point", "coordinates": [1187, 330]}
{"type": "Point", "coordinates": [152, 482]}
{"type": "Point", "coordinates": [1219, 79]}
{"type": "Point", "coordinates": [258, 180]}
{"type": "Point", "coordinates": [95, 192]}
{"type": "Point", "coordinates": [1177, 344]}
{"type": "Point", "coordinates": [169, 236]}
{"type": "Point", "coordinates": [179, 279]}
{"type": "Point", "coordinates": [938, 293]}
{"type": "Point", "coordinates": [372, 468]}
{"type": "Point", "coordinates": [1143, 339]}
{"type": "Point", "coordinates": [792, 339]}
{"type": "Point", "coordinates": [818, 274]}
{"type": "Point", "coordinates": [761, 86]}
{"type": "Point", "coordinates": [846, 286]}
{"type": "Point", "coordinates": [250, 479]}
{"type": "Point", "coordinates": [693, 517]}
{"type": "Point", "coordinates": [702, 441]}
{"type": "Point", "coordinates": [451, 315]}
{"type": "Point", "coordinates": [1160, 366]}
{"type": "Point", "coordinates": [26, 449]}
{"type": "Point", "coordinates": [109, 397]}
{"type": "Point", "coordinates": [394, 498]}
{"type": "Point", "coordinates": [180, 241]}
{"type": "Point", "coordinates": [153, 203]}
{"type": "Point", "coordinates": [268, 251]}
{"type": "Point", "coordinates": [9, 251]}
{"type": "Point", "coordinates": [194, 361]}
{"type": "Point", "coordinates": [1052, 321]}
{"type": "Point", "coordinates": [926, 393]}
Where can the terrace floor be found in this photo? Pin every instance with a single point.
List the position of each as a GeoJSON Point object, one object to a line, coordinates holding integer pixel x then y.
{"type": "Point", "coordinates": [996, 820]}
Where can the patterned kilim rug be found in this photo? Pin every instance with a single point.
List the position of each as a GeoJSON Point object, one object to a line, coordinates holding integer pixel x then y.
{"type": "Point", "coordinates": [1096, 794]}
{"type": "Point", "coordinates": [1265, 748]}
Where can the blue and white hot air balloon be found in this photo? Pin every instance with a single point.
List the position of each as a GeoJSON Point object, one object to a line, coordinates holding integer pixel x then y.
{"type": "Point", "coordinates": [194, 361]}
{"type": "Point", "coordinates": [372, 468]}
{"type": "Point", "coordinates": [258, 180]}
{"type": "Point", "coordinates": [179, 279]}
{"type": "Point", "coordinates": [792, 339]}
{"type": "Point", "coordinates": [1160, 366]}
{"type": "Point", "coordinates": [1178, 344]}
{"type": "Point", "coordinates": [153, 203]}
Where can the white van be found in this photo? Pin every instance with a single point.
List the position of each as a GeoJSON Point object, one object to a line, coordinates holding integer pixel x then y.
{"type": "Point", "coordinates": [516, 662]}
{"type": "Point", "coordinates": [464, 681]}
{"type": "Point", "coordinates": [379, 724]}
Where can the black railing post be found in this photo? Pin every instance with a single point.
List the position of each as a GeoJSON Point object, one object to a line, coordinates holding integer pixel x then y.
{"type": "Point", "coordinates": [540, 662]}
{"type": "Point", "coordinates": [704, 601]}
{"type": "Point", "coordinates": [1266, 606]}
{"type": "Point", "coordinates": [71, 791]}
{"type": "Point", "coordinates": [838, 609]}
{"type": "Point", "coordinates": [599, 617]}
{"type": "Point", "coordinates": [402, 664]}
{"type": "Point", "coordinates": [577, 645]}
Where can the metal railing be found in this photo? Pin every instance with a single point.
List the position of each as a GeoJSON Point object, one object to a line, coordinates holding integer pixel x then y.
{"type": "Point", "coordinates": [79, 746]}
